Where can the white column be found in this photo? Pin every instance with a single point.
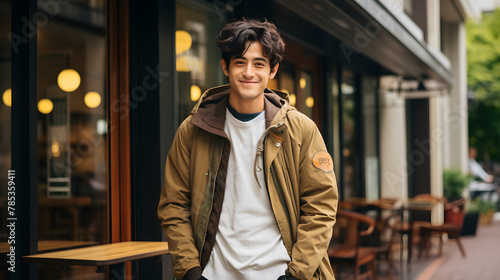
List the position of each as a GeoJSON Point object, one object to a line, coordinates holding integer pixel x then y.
{"type": "Point", "coordinates": [393, 161]}
{"type": "Point", "coordinates": [435, 110]}
{"type": "Point", "coordinates": [455, 111]}
{"type": "Point", "coordinates": [433, 24]}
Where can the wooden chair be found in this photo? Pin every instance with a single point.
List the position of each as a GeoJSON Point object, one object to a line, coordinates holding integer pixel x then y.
{"type": "Point", "coordinates": [412, 229]}
{"type": "Point", "coordinates": [453, 220]}
{"type": "Point", "coordinates": [387, 238]}
{"type": "Point", "coordinates": [348, 231]}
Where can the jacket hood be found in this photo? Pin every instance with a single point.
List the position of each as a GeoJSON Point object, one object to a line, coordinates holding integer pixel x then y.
{"type": "Point", "coordinates": [209, 113]}
{"type": "Point", "coordinates": [216, 94]}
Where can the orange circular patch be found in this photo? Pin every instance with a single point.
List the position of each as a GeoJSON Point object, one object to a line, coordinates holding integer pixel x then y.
{"type": "Point", "coordinates": [323, 161]}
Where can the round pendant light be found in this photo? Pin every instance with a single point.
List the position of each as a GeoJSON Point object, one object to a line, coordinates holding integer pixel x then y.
{"type": "Point", "coordinates": [68, 80]}
{"type": "Point", "coordinates": [7, 97]}
{"type": "Point", "coordinates": [183, 41]}
{"type": "Point", "coordinates": [92, 99]}
{"type": "Point", "coordinates": [45, 106]}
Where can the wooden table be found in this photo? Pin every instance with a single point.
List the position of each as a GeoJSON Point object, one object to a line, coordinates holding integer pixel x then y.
{"type": "Point", "coordinates": [52, 245]}
{"type": "Point", "coordinates": [115, 255]}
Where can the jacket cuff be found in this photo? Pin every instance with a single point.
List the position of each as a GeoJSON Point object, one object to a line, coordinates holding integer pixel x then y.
{"type": "Point", "coordinates": [193, 274]}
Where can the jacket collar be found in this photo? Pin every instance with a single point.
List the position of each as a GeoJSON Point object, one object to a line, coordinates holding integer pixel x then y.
{"type": "Point", "coordinates": [210, 112]}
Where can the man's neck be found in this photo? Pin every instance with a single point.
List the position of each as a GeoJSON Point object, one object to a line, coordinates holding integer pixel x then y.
{"type": "Point", "coordinates": [247, 106]}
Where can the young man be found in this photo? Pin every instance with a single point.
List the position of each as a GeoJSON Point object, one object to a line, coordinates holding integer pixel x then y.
{"type": "Point", "coordinates": [249, 189]}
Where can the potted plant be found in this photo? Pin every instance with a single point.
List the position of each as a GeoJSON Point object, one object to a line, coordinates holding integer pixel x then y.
{"type": "Point", "coordinates": [486, 209]}
{"type": "Point", "coordinates": [454, 184]}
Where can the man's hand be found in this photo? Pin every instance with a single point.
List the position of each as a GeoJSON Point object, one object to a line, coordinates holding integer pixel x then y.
{"type": "Point", "coordinates": [288, 277]}
{"type": "Point", "coordinates": [490, 179]}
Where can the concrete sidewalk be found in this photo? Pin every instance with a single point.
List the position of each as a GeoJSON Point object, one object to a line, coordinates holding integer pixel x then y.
{"type": "Point", "coordinates": [482, 261]}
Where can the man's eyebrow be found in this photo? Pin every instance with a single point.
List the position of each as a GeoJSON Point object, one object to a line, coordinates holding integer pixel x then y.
{"type": "Point", "coordinates": [257, 58]}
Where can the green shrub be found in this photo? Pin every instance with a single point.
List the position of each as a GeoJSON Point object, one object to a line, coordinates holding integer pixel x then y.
{"type": "Point", "coordinates": [480, 206]}
{"type": "Point", "coordinates": [454, 183]}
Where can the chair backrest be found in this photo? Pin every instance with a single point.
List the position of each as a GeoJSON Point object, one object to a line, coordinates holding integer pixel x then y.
{"type": "Point", "coordinates": [351, 226]}
{"type": "Point", "coordinates": [454, 213]}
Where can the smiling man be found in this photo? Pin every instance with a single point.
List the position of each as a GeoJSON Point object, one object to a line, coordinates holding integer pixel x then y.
{"type": "Point", "coordinates": [249, 190]}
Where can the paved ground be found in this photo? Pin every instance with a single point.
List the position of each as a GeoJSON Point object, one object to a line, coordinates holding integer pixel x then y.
{"type": "Point", "coordinates": [482, 261]}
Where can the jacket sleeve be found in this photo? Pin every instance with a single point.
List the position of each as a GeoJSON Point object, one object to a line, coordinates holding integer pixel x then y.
{"type": "Point", "coordinates": [174, 209]}
{"type": "Point", "coordinates": [318, 198]}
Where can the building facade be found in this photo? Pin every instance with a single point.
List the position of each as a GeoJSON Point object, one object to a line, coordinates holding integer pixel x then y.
{"type": "Point", "coordinates": [94, 90]}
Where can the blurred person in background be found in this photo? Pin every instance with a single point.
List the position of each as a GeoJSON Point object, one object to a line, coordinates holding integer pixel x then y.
{"type": "Point", "coordinates": [482, 184]}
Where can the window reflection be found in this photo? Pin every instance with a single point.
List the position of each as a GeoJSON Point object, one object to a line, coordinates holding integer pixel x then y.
{"type": "Point", "coordinates": [72, 131]}
{"type": "Point", "coordinates": [5, 120]}
{"type": "Point", "coordinates": [305, 99]}
{"type": "Point", "coordinates": [369, 88]}
{"type": "Point", "coordinates": [197, 58]}
{"type": "Point", "coordinates": [349, 151]}
{"type": "Point", "coordinates": [286, 80]}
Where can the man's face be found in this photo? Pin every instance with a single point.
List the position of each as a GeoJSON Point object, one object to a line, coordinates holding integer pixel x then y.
{"type": "Point", "coordinates": [248, 75]}
{"type": "Point", "coordinates": [472, 153]}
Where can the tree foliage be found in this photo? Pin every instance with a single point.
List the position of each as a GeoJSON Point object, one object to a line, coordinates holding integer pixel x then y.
{"type": "Point", "coordinates": [483, 71]}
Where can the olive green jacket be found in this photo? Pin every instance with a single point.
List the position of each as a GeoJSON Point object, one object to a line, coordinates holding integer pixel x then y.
{"type": "Point", "coordinates": [299, 177]}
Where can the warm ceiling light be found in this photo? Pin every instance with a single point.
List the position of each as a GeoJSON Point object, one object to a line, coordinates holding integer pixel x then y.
{"type": "Point", "coordinates": [55, 149]}
{"type": "Point", "coordinates": [68, 80]}
{"type": "Point", "coordinates": [7, 97]}
{"type": "Point", "coordinates": [310, 102]}
{"type": "Point", "coordinates": [92, 99]}
{"type": "Point", "coordinates": [181, 64]}
{"type": "Point", "coordinates": [293, 99]}
{"type": "Point", "coordinates": [183, 41]}
{"type": "Point", "coordinates": [195, 93]}
{"type": "Point", "coordinates": [302, 83]}
{"type": "Point", "coordinates": [45, 106]}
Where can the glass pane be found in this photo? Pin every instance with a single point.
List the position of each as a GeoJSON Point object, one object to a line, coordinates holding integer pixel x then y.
{"type": "Point", "coordinates": [336, 123]}
{"type": "Point", "coordinates": [305, 99]}
{"type": "Point", "coordinates": [198, 59]}
{"type": "Point", "coordinates": [370, 137]}
{"type": "Point", "coordinates": [287, 82]}
{"type": "Point", "coordinates": [72, 131]}
{"type": "Point", "coordinates": [5, 120]}
{"type": "Point", "coordinates": [349, 151]}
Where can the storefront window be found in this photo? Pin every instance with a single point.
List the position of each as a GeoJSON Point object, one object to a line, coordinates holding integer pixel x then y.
{"type": "Point", "coordinates": [286, 81]}
{"type": "Point", "coordinates": [197, 57]}
{"type": "Point", "coordinates": [371, 168]}
{"type": "Point", "coordinates": [349, 150]}
{"type": "Point", "coordinates": [72, 131]}
{"type": "Point", "coordinates": [5, 120]}
{"type": "Point", "coordinates": [305, 99]}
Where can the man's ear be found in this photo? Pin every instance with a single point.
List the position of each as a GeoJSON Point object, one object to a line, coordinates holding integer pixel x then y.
{"type": "Point", "coordinates": [274, 71]}
{"type": "Point", "coordinates": [224, 67]}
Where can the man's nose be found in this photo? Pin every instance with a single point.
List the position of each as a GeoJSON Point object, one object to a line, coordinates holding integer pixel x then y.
{"type": "Point", "coordinates": [248, 71]}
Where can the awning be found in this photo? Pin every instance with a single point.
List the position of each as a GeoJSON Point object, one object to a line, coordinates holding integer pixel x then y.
{"type": "Point", "coordinates": [366, 27]}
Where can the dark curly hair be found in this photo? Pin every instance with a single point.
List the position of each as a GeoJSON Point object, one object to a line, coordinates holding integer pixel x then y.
{"type": "Point", "coordinates": [236, 33]}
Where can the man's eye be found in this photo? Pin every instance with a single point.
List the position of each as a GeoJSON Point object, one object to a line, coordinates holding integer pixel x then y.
{"type": "Point", "coordinates": [259, 64]}
{"type": "Point", "coordinates": [239, 62]}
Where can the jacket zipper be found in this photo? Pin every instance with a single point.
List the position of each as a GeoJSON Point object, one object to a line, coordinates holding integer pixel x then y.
{"type": "Point", "coordinates": [211, 204]}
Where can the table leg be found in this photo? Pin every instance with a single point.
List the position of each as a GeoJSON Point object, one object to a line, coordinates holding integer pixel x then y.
{"type": "Point", "coordinates": [117, 271]}
{"type": "Point", "coordinates": [403, 263]}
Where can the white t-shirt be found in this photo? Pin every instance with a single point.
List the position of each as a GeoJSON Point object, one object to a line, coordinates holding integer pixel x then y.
{"type": "Point", "coordinates": [248, 244]}
{"type": "Point", "coordinates": [477, 170]}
